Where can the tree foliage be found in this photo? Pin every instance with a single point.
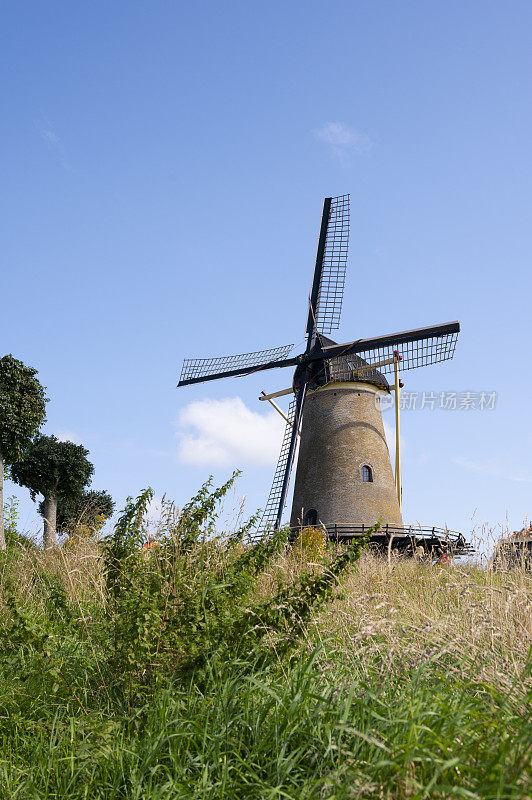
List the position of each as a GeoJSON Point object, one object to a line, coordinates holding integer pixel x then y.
{"type": "Point", "coordinates": [89, 508]}
{"type": "Point", "coordinates": [22, 407]}
{"type": "Point", "coordinates": [53, 468]}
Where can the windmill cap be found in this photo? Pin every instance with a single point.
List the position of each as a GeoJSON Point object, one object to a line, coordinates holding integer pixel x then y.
{"type": "Point", "coordinates": [349, 365]}
{"type": "Point", "coordinates": [343, 369]}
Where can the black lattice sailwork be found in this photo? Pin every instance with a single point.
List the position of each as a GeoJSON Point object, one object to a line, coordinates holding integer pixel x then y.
{"type": "Point", "coordinates": [331, 291]}
{"type": "Point", "coordinates": [420, 353]}
{"type": "Point", "coordinates": [417, 353]}
{"type": "Point", "coordinates": [194, 368]}
{"type": "Point", "coordinates": [267, 521]}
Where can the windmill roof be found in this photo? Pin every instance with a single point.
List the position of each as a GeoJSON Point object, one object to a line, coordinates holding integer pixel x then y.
{"type": "Point", "coordinates": [346, 368]}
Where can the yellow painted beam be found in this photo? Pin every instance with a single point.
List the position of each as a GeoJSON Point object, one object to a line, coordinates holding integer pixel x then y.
{"type": "Point", "coordinates": [397, 389]}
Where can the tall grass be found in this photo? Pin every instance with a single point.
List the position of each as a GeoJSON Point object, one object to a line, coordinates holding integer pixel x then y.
{"type": "Point", "coordinates": [412, 681]}
{"type": "Point", "coordinates": [401, 732]}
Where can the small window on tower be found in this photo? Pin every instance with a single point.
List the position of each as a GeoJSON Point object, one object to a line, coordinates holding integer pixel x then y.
{"type": "Point", "coordinates": [311, 517]}
{"type": "Point", "coordinates": [367, 474]}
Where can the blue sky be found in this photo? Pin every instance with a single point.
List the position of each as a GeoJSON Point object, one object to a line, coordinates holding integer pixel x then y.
{"type": "Point", "coordinates": [163, 167]}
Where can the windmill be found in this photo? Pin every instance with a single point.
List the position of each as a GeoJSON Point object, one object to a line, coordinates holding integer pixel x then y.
{"type": "Point", "coordinates": [344, 471]}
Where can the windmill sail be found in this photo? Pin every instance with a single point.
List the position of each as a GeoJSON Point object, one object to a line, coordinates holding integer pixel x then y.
{"type": "Point", "coordinates": [272, 506]}
{"type": "Point", "coordinates": [418, 353]}
{"type": "Point", "coordinates": [330, 294]}
{"type": "Point", "coordinates": [417, 348]}
{"type": "Point", "coordinates": [197, 370]}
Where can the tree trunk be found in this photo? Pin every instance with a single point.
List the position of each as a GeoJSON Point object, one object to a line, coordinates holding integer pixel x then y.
{"type": "Point", "coordinates": [2, 534]}
{"type": "Point", "coordinates": [50, 515]}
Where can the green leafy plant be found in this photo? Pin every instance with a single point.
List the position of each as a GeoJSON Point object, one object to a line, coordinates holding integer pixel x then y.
{"type": "Point", "coordinates": [312, 542]}
{"type": "Point", "coordinates": [11, 516]}
{"type": "Point", "coordinates": [176, 607]}
{"type": "Point", "coordinates": [11, 520]}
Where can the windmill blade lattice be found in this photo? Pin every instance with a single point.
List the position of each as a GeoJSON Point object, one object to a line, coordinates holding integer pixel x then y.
{"type": "Point", "coordinates": [419, 353]}
{"type": "Point", "coordinates": [417, 348]}
{"type": "Point", "coordinates": [197, 369]}
{"type": "Point", "coordinates": [332, 282]}
{"type": "Point", "coordinates": [269, 516]}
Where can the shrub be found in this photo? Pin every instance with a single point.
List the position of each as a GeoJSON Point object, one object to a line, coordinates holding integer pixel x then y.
{"type": "Point", "coordinates": [311, 543]}
{"type": "Point", "coordinates": [192, 599]}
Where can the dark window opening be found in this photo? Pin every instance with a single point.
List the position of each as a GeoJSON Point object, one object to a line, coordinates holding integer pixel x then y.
{"type": "Point", "coordinates": [311, 517]}
{"type": "Point", "coordinates": [367, 474]}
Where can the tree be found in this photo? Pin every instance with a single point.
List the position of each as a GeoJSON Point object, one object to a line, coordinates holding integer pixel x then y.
{"type": "Point", "coordinates": [90, 508]}
{"type": "Point", "coordinates": [22, 412]}
{"type": "Point", "coordinates": [59, 471]}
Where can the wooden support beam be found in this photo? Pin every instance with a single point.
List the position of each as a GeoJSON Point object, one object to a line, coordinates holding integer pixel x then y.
{"type": "Point", "coordinates": [366, 367]}
{"type": "Point", "coordinates": [279, 410]}
{"type": "Point", "coordinates": [265, 396]}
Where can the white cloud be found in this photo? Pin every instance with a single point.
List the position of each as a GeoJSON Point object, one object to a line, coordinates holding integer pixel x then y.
{"type": "Point", "coordinates": [227, 432]}
{"type": "Point", "coordinates": [55, 145]}
{"type": "Point", "coordinates": [343, 140]}
{"type": "Point", "coordinates": [50, 137]}
{"type": "Point", "coordinates": [389, 432]}
{"type": "Point", "coordinates": [154, 509]}
{"type": "Point", "coordinates": [494, 468]}
{"type": "Point", "coordinates": [67, 436]}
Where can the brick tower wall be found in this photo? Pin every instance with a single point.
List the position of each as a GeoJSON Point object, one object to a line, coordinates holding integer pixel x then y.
{"type": "Point", "coordinates": [342, 430]}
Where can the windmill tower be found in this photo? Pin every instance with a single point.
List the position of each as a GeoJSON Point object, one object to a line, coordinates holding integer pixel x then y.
{"type": "Point", "coordinates": [344, 472]}
{"type": "Point", "coordinates": [343, 469]}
